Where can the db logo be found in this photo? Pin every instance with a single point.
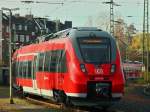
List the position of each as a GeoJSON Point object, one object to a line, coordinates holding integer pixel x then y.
{"type": "Point", "coordinates": [99, 71]}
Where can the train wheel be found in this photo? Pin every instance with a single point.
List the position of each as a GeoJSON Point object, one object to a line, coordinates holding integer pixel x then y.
{"type": "Point", "coordinates": [20, 92]}
{"type": "Point", "coordinates": [56, 96]}
{"type": "Point", "coordinates": [68, 101]}
{"type": "Point", "coordinates": [59, 96]}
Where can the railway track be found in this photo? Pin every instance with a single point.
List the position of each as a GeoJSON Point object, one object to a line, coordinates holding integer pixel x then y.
{"type": "Point", "coordinates": [61, 107]}
{"type": "Point", "coordinates": [45, 103]}
{"type": "Point", "coordinates": [50, 104]}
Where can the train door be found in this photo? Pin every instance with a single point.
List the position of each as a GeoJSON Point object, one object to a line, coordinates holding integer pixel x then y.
{"type": "Point", "coordinates": [59, 71]}
{"type": "Point", "coordinates": [34, 69]}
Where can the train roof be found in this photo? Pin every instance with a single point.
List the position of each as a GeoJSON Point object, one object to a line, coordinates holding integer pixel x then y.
{"type": "Point", "coordinates": [72, 33]}
{"type": "Point", "coordinates": [88, 32]}
{"type": "Point", "coordinates": [79, 32]}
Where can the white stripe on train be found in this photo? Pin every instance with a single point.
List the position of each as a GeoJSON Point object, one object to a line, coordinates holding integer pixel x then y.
{"type": "Point", "coordinates": [27, 54]}
{"type": "Point", "coordinates": [44, 92]}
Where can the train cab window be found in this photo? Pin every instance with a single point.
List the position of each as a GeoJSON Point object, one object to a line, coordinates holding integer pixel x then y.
{"type": "Point", "coordinates": [99, 48]}
{"type": "Point", "coordinates": [40, 61]}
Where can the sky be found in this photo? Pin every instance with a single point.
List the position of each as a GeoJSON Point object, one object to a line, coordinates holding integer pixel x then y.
{"type": "Point", "coordinates": [81, 12]}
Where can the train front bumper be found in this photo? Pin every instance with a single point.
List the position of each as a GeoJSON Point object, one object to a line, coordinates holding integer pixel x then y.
{"type": "Point", "coordinates": [81, 99]}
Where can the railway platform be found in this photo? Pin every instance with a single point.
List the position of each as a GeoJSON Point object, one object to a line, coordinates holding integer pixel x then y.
{"type": "Point", "coordinates": [20, 105]}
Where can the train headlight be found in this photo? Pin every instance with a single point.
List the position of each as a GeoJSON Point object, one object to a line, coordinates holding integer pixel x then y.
{"type": "Point", "coordinates": [83, 69]}
{"type": "Point", "coordinates": [113, 68]}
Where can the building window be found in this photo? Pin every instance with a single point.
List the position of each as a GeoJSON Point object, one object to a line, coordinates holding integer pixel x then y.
{"type": "Point", "coordinates": [20, 27]}
{"type": "Point", "coordinates": [36, 29]}
{"type": "Point", "coordinates": [22, 38]}
{"type": "Point", "coordinates": [25, 27]}
{"type": "Point", "coordinates": [16, 38]}
{"type": "Point", "coordinates": [27, 38]}
{"type": "Point", "coordinates": [7, 29]}
{"type": "Point", "coordinates": [47, 30]}
{"type": "Point", "coordinates": [33, 33]}
{"type": "Point", "coordinates": [13, 26]}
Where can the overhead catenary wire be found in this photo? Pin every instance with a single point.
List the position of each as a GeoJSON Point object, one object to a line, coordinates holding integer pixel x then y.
{"type": "Point", "coordinates": [73, 1]}
{"type": "Point", "coordinates": [62, 4]}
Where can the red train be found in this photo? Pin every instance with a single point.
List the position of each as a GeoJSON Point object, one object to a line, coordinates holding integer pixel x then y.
{"type": "Point", "coordinates": [78, 65]}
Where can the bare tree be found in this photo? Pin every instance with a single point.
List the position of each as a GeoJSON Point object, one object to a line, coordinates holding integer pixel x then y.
{"type": "Point", "coordinates": [102, 21]}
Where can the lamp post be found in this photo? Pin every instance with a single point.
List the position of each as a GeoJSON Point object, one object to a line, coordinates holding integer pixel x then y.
{"type": "Point", "coordinates": [146, 37]}
{"type": "Point", "coordinates": [10, 51]}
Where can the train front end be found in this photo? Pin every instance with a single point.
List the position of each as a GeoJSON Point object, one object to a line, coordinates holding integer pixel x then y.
{"type": "Point", "coordinates": [95, 73]}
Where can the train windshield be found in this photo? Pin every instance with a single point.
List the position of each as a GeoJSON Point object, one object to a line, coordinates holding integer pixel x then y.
{"type": "Point", "coordinates": [95, 50]}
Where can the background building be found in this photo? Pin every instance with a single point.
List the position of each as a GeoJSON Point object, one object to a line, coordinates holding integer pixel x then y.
{"type": "Point", "coordinates": [25, 30]}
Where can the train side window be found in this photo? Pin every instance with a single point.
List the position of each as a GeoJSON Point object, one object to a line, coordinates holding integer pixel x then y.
{"type": "Point", "coordinates": [13, 67]}
{"type": "Point", "coordinates": [58, 66]}
{"type": "Point", "coordinates": [29, 69]}
{"type": "Point", "coordinates": [53, 61]}
{"type": "Point", "coordinates": [47, 61]}
{"type": "Point", "coordinates": [50, 56]}
{"type": "Point", "coordinates": [16, 69]}
{"type": "Point", "coordinates": [62, 63]}
{"type": "Point", "coordinates": [40, 61]}
{"type": "Point", "coordinates": [34, 66]}
{"type": "Point", "coordinates": [24, 69]}
{"type": "Point", "coordinates": [20, 69]}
